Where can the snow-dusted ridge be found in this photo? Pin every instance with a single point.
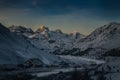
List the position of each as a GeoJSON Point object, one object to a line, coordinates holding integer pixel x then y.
{"type": "Point", "coordinates": [102, 39]}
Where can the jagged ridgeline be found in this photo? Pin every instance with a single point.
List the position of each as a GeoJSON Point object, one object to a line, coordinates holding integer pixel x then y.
{"type": "Point", "coordinates": [97, 43]}
{"type": "Point", "coordinates": [50, 40]}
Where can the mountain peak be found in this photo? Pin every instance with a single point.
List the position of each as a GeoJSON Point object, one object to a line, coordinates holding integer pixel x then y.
{"type": "Point", "coordinates": [111, 25]}
{"type": "Point", "coordinates": [110, 28]}
{"type": "Point", "coordinates": [42, 28]}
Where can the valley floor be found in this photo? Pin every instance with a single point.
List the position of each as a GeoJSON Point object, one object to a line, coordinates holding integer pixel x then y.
{"type": "Point", "coordinates": [79, 66]}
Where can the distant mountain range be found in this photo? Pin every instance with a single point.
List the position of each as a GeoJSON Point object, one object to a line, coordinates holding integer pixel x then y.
{"type": "Point", "coordinates": [51, 40]}
{"type": "Point", "coordinates": [19, 44]}
{"type": "Point", "coordinates": [101, 40]}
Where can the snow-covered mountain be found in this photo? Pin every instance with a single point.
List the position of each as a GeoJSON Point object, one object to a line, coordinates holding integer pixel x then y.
{"type": "Point", "coordinates": [101, 40]}
{"type": "Point", "coordinates": [56, 40]}
{"type": "Point", "coordinates": [103, 43]}
{"type": "Point", "coordinates": [50, 40]}
{"type": "Point", "coordinates": [16, 49]}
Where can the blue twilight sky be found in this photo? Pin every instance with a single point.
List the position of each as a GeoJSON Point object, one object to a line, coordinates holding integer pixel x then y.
{"type": "Point", "coordinates": [68, 15]}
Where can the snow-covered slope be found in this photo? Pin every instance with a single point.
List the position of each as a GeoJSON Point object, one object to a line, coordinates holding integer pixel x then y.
{"type": "Point", "coordinates": [102, 39]}
{"type": "Point", "coordinates": [16, 49]}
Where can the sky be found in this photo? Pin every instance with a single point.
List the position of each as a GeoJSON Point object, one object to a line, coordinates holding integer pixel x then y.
{"type": "Point", "coordinates": [82, 16]}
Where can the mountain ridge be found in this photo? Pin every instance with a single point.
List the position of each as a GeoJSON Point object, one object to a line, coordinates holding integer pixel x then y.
{"type": "Point", "coordinates": [16, 49]}
{"type": "Point", "coordinates": [103, 39]}
{"type": "Point", "coordinates": [44, 36]}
